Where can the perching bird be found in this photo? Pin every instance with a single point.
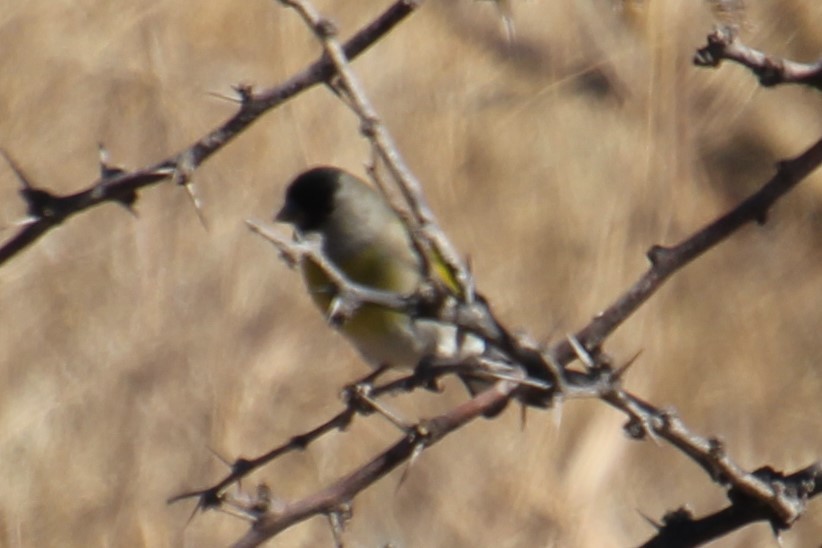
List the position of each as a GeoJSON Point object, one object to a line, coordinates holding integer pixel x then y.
{"type": "Point", "coordinates": [368, 242]}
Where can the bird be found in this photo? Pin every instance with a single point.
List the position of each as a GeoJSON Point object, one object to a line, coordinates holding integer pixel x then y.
{"type": "Point", "coordinates": [366, 240]}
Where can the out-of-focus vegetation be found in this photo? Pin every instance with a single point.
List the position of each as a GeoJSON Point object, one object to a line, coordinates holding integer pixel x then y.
{"type": "Point", "coordinates": [129, 346]}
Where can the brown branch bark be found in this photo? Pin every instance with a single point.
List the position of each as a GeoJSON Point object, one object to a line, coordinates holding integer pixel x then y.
{"type": "Point", "coordinates": [680, 529]}
{"type": "Point", "coordinates": [724, 44]}
{"type": "Point", "coordinates": [331, 498]}
{"type": "Point", "coordinates": [665, 261]}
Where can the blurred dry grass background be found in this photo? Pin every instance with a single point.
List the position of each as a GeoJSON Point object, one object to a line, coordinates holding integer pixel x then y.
{"type": "Point", "coordinates": [129, 346]}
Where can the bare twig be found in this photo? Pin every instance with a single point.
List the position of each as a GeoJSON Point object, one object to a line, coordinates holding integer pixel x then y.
{"type": "Point", "coordinates": [724, 43]}
{"type": "Point", "coordinates": [373, 128]}
{"type": "Point", "coordinates": [349, 294]}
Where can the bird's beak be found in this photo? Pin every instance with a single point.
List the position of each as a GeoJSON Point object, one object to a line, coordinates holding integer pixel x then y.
{"type": "Point", "coordinates": [286, 215]}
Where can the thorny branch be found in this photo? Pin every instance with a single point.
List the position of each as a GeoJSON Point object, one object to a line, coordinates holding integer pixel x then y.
{"type": "Point", "coordinates": [665, 261]}
{"type": "Point", "coordinates": [425, 224]}
{"type": "Point", "coordinates": [680, 528]}
{"type": "Point", "coordinates": [328, 500]}
{"type": "Point", "coordinates": [216, 495]}
{"type": "Point", "coordinates": [760, 495]}
{"type": "Point", "coordinates": [47, 210]}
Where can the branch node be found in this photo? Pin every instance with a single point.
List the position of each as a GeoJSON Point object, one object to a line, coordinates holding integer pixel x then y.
{"type": "Point", "coordinates": [635, 429]}
{"type": "Point", "coordinates": [771, 72]}
{"type": "Point", "coordinates": [680, 516]}
{"type": "Point", "coordinates": [325, 28]}
{"type": "Point", "coordinates": [369, 126]}
{"type": "Point", "coordinates": [40, 204]}
{"type": "Point", "coordinates": [658, 254]}
{"type": "Point", "coordinates": [341, 308]}
{"type": "Point", "coordinates": [107, 170]}
{"type": "Point", "coordinates": [717, 448]}
{"type": "Point", "coordinates": [712, 54]}
{"type": "Point", "coordinates": [241, 467]}
{"type": "Point", "coordinates": [124, 196]}
{"type": "Point", "coordinates": [245, 91]}
{"type": "Point", "coordinates": [356, 396]}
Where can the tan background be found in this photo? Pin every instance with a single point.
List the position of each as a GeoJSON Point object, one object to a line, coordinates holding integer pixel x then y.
{"type": "Point", "coordinates": [131, 345]}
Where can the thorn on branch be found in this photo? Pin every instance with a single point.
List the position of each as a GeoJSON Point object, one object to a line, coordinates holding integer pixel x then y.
{"type": "Point", "coordinates": [717, 448]}
{"type": "Point", "coordinates": [126, 198]}
{"type": "Point", "coordinates": [421, 435]}
{"type": "Point", "coordinates": [241, 467]}
{"type": "Point", "coordinates": [250, 507]}
{"type": "Point", "coordinates": [325, 28]}
{"type": "Point", "coordinates": [355, 396]}
{"type": "Point", "coordinates": [620, 373]}
{"type": "Point", "coordinates": [635, 429]}
{"type": "Point", "coordinates": [342, 308]}
{"type": "Point", "coordinates": [646, 424]}
{"type": "Point", "coordinates": [338, 519]}
{"type": "Point", "coordinates": [246, 93]}
{"type": "Point", "coordinates": [107, 170]}
{"type": "Point", "coordinates": [581, 352]}
{"type": "Point", "coordinates": [40, 204]}
{"type": "Point", "coordinates": [658, 254]}
{"type": "Point", "coordinates": [771, 71]}
{"type": "Point", "coordinates": [18, 171]}
{"type": "Point", "coordinates": [186, 164]}
{"type": "Point", "coordinates": [207, 499]}
{"type": "Point", "coordinates": [219, 457]}
{"type": "Point", "coordinates": [797, 487]}
{"type": "Point", "coordinates": [419, 447]}
{"type": "Point", "coordinates": [678, 517]}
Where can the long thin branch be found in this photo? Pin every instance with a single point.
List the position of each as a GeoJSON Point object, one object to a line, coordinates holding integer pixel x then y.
{"type": "Point", "coordinates": [784, 506]}
{"type": "Point", "coordinates": [215, 496]}
{"type": "Point", "coordinates": [665, 261]}
{"type": "Point", "coordinates": [679, 528]}
{"type": "Point", "coordinates": [376, 132]}
{"type": "Point", "coordinates": [328, 500]}
{"type": "Point", "coordinates": [49, 210]}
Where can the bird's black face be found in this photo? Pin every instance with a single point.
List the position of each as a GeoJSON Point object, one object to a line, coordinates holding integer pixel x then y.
{"type": "Point", "coordinates": [309, 200]}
